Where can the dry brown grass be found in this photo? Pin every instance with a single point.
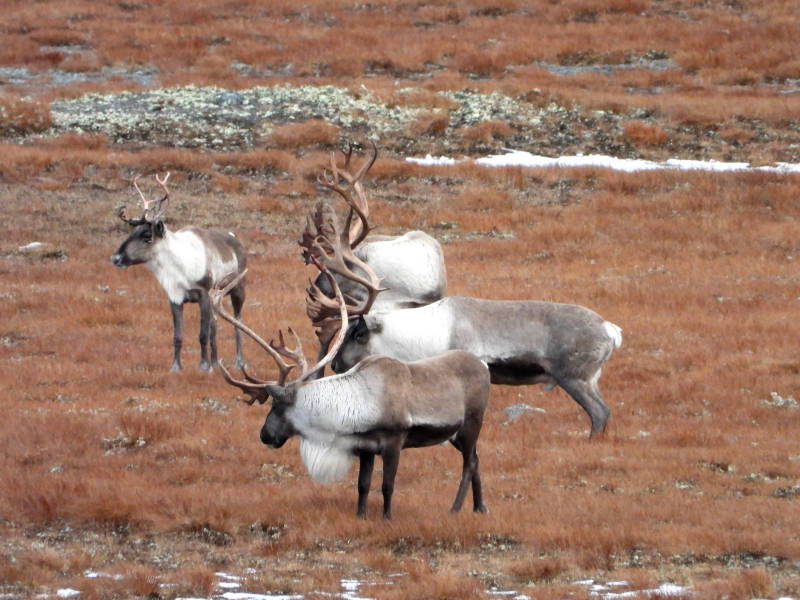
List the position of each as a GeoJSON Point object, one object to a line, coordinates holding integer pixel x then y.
{"type": "Point", "coordinates": [114, 465]}
{"type": "Point", "coordinates": [645, 134]}
{"type": "Point", "coordinates": [697, 268]}
{"type": "Point", "coordinates": [314, 132]}
{"type": "Point", "coordinates": [712, 51]}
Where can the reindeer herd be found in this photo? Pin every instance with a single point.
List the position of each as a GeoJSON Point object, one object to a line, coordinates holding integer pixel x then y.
{"type": "Point", "coordinates": [412, 367]}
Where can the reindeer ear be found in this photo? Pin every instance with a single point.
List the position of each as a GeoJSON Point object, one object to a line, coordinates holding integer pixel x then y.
{"type": "Point", "coordinates": [277, 392]}
{"type": "Point", "coordinates": [158, 228]}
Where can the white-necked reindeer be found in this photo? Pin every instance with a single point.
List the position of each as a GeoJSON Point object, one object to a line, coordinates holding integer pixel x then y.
{"type": "Point", "coordinates": [187, 263]}
{"type": "Point", "coordinates": [411, 266]}
{"type": "Point", "coordinates": [523, 342]}
{"type": "Point", "coordinates": [380, 406]}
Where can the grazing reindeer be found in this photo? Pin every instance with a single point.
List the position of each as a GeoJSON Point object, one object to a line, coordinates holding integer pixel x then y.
{"type": "Point", "coordinates": [187, 263]}
{"type": "Point", "coordinates": [380, 406]}
{"type": "Point", "coordinates": [411, 266]}
{"type": "Point", "coordinates": [523, 342]}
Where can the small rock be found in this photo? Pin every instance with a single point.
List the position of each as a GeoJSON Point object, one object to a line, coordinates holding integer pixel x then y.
{"type": "Point", "coordinates": [515, 411]}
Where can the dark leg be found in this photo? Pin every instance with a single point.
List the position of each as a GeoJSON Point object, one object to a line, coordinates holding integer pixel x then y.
{"type": "Point", "coordinates": [477, 491]}
{"type": "Point", "coordinates": [177, 334]}
{"type": "Point", "coordinates": [206, 331]}
{"type": "Point", "coordinates": [212, 337]}
{"type": "Point", "coordinates": [237, 301]}
{"type": "Point", "coordinates": [588, 396]}
{"type": "Point", "coordinates": [366, 462]}
{"type": "Point", "coordinates": [467, 449]}
{"type": "Point", "coordinates": [391, 458]}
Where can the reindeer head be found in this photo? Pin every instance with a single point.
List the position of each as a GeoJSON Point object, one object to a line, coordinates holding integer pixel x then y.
{"type": "Point", "coordinates": [356, 344]}
{"type": "Point", "coordinates": [147, 229]}
{"type": "Point", "coordinates": [277, 428]}
{"type": "Point", "coordinates": [326, 245]}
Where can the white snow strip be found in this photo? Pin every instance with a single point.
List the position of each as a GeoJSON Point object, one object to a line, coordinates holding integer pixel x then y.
{"type": "Point", "coordinates": [433, 160]}
{"type": "Point", "coordinates": [31, 246]}
{"type": "Point", "coordinates": [519, 158]}
{"type": "Point", "coordinates": [248, 596]}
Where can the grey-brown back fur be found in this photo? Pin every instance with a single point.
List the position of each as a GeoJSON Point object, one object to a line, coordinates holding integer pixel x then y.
{"type": "Point", "coordinates": [381, 406]}
{"type": "Point", "coordinates": [523, 342]}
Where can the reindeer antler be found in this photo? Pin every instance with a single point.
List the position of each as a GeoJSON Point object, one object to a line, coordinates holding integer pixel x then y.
{"type": "Point", "coordinates": [329, 178]}
{"type": "Point", "coordinates": [326, 243]}
{"type": "Point", "coordinates": [151, 209]}
{"type": "Point", "coordinates": [257, 389]}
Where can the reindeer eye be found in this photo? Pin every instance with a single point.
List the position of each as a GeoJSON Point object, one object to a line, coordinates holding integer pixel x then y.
{"type": "Point", "coordinates": [361, 336]}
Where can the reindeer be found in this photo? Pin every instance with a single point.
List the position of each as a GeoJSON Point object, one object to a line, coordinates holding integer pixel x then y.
{"type": "Point", "coordinates": [380, 406]}
{"type": "Point", "coordinates": [523, 342]}
{"type": "Point", "coordinates": [411, 266]}
{"type": "Point", "coordinates": [187, 263]}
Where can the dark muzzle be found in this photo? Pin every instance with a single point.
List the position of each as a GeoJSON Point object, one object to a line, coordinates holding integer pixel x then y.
{"type": "Point", "coordinates": [119, 260]}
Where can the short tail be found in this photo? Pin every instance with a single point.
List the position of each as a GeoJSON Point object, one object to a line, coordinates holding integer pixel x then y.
{"type": "Point", "coordinates": [614, 332]}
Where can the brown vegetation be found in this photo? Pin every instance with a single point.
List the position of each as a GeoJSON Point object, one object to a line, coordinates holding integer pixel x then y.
{"type": "Point", "coordinates": [106, 449]}
{"type": "Point", "coordinates": [156, 481]}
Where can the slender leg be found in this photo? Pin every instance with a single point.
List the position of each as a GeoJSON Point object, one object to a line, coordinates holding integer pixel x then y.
{"type": "Point", "coordinates": [205, 330]}
{"type": "Point", "coordinates": [212, 338]}
{"type": "Point", "coordinates": [237, 301]}
{"type": "Point", "coordinates": [588, 396]}
{"type": "Point", "coordinates": [391, 458]}
{"type": "Point", "coordinates": [366, 463]}
{"type": "Point", "coordinates": [467, 450]}
{"type": "Point", "coordinates": [177, 334]}
{"type": "Point", "coordinates": [477, 491]}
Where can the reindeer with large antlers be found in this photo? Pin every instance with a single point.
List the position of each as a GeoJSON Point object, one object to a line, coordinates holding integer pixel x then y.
{"type": "Point", "coordinates": [411, 266]}
{"type": "Point", "coordinates": [380, 406]}
{"type": "Point", "coordinates": [523, 342]}
{"type": "Point", "coordinates": [187, 263]}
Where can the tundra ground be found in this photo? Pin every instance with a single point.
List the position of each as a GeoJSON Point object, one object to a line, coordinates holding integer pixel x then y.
{"type": "Point", "coordinates": [113, 465]}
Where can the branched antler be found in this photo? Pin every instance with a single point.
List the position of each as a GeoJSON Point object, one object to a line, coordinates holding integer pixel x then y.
{"type": "Point", "coordinates": [151, 209]}
{"type": "Point", "coordinates": [257, 389]}
{"type": "Point", "coordinates": [329, 178]}
{"type": "Point", "coordinates": [326, 242]}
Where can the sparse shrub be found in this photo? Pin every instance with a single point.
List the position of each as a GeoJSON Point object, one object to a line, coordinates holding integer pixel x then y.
{"type": "Point", "coordinates": [641, 133]}
{"type": "Point", "coordinates": [537, 569]}
{"type": "Point", "coordinates": [736, 135]}
{"type": "Point", "coordinates": [479, 64]}
{"type": "Point", "coordinates": [345, 67]}
{"type": "Point", "coordinates": [742, 585]}
{"type": "Point", "coordinates": [314, 132]}
{"type": "Point", "coordinates": [480, 198]}
{"type": "Point", "coordinates": [487, 131]}
{"type": "Point", "coordinates": [229, 184]}
{"type": "Point", "coordinates": [23, 116]}
{"type": "Point", "coordinates": [422, 98]}
{"type": "Point", "coordinates": [429, 123]}
{"type": "Point", "coordinates": [196, 580]}
{"type": "Point", "coordinates": [48, 559]}
{"type": "Point", "coordinates": [425, 583]}
{"type": "Point", "coordinates": [756, 582]}
{"type": "Point", "coordinates": [58, 36]}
